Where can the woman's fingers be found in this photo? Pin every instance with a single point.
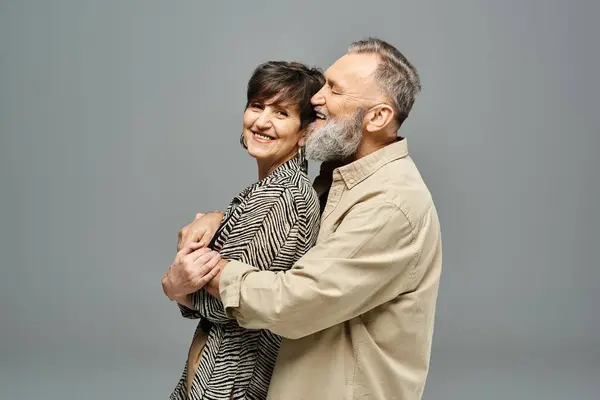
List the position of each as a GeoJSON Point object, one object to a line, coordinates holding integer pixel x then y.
{"type": "Point", "coordinates": [206, 238]}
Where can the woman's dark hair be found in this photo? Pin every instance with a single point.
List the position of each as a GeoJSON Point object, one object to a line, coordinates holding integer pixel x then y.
{"type": "Point", "coordinates": [286, 82]}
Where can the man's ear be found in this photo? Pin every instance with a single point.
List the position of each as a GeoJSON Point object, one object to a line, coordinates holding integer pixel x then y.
{"type": "Point", "coordinates": [379, 117]}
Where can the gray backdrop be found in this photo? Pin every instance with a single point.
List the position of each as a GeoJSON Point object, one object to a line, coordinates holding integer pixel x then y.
{"type": "Point", "coordinates": [120, 120]}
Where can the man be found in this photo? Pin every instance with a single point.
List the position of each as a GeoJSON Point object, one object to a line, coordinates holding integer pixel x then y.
{"type": "Point", "coordinates": [357, 311]}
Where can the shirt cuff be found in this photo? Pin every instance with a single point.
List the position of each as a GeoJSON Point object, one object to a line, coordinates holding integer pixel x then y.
{"type": "Point", "coordinates": [230, 284]}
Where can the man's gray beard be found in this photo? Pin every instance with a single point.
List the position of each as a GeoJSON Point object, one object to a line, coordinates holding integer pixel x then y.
{"type": "Point", "coordinates": [338, 139]}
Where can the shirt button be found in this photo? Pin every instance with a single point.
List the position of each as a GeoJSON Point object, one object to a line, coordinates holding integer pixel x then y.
{"type": "Point", "coordinates": [351, 181]}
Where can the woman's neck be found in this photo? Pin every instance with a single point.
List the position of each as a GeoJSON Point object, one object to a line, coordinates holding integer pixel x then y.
{"type": "Point", "coordinates": [265, 168]}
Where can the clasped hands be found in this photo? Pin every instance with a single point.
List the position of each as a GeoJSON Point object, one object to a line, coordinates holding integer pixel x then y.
{"type": "Point", "coordinates": [195, 265]}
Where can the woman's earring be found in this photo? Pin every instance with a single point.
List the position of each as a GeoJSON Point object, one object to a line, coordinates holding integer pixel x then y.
{"type": "Point", "coordinates": [243, 142]}
{"type": "Point", "coordinates": [302, 157]}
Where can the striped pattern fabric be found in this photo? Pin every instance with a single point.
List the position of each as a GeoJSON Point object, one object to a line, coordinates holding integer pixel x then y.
{"type": "Point", "coordinates": [269, 225]}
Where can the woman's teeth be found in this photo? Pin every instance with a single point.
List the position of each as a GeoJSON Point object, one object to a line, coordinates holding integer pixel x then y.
{"type": "Point", "coordinates": [263, 137]}
{"type": "Point", "coordinates": [320, 116]}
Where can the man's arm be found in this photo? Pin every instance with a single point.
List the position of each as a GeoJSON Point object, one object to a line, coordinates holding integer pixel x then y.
{"type": "Point", "coordinates": [368, 261]}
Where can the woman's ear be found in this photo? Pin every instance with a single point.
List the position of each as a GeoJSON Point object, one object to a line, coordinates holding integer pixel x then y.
{"type": "Point", "coordinates": [302, 140]}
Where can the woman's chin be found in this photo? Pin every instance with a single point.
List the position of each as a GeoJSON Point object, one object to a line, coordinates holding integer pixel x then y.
{"type": "Point", "coordinates": [258, 154]}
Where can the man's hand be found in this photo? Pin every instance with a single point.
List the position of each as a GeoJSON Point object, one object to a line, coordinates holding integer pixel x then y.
{"type": "Point", "coordinates": [201, 230]}
{"type": "Point", "coordinates": [192, 269]}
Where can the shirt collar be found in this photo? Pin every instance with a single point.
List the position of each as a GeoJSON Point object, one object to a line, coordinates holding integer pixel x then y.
{"type": "Point", "coordinates": [289, 167]}
{"type": "Point", "coordinates": [359, 170]}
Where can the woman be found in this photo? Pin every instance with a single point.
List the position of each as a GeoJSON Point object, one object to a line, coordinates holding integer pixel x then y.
{"type": "Point", "coordinates": [270, 224]}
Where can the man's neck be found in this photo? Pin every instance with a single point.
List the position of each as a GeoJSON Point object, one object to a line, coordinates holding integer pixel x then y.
{"type": "Point", "coordinates": [371, 146]}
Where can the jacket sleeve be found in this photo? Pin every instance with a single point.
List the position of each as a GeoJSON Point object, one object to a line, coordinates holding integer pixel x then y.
{"type": "Point", "coordinates": [369, 260]}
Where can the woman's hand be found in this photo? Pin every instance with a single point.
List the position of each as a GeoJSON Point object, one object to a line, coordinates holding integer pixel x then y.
{"type": "Point", "coordinates": [201, 230]}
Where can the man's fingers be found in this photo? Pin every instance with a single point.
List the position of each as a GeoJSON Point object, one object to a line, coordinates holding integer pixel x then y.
{"type": "Point", "coordinates": [209, 276]}
{"type": "Point", "coordinates": [202, 256]}
{"type": "Point", "coordinates": [208, 271]}
{"type": "Point", "coordinates": [206, 262]}
{"type": "Point", "coordinates": [212, 261]}
{"type": "Point", "coordinates": [188, 249]}
{"type": "Point", "coordinates": [194, 255]}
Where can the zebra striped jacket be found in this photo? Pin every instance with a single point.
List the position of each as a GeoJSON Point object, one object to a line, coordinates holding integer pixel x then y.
{"type": "Point", "coordinates": [270, 225]}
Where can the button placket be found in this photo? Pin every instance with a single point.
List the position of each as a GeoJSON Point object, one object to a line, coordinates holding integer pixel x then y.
{"type": "Point", "coordinates": [335, 194]}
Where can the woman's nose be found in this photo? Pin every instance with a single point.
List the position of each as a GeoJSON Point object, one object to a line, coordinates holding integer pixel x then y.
{"type": "Point", "coordinates": [263, 121]}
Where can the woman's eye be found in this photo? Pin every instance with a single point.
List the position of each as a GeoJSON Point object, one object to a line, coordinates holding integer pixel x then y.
{"type": "Point", "coordinates": [282, 113]}
{"type": "Point", "coordinates": [257, 106]}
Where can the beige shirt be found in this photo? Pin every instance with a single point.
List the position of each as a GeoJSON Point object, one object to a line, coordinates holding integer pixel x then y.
{"type": "Point", "coordinates": [357, 311]}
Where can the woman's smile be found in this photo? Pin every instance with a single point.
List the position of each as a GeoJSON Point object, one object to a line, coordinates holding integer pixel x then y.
{"type": "Point", "coordinates": [262, 138]}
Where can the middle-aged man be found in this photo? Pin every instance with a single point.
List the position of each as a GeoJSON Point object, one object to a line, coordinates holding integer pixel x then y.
{"type": "Point", "coordinates": [357, 311]}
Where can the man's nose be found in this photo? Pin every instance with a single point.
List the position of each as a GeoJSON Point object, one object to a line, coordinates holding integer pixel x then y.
{"type": "Point", "coordinates": [318, 99]}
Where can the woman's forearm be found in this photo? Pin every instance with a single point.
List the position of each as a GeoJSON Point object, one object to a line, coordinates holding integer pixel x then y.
{"type": "Point", "coordinates": [185, 301]}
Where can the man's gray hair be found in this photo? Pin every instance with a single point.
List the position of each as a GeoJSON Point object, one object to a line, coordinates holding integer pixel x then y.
{"type": "Point", "coordinates": [396, 76]}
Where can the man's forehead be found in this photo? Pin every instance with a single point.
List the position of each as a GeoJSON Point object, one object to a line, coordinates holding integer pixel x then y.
{"type": "Point", "coordinates": [353, 68]}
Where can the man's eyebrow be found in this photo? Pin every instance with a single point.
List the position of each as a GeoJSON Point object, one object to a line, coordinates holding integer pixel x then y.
{"type": "Point", "coordinates": [331, 82]}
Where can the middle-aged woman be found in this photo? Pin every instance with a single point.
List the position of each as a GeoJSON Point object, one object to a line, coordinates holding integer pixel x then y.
{"type": "Point", "coordinates": [269, 224]}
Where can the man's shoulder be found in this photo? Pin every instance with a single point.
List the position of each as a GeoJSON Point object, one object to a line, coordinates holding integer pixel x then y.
{"type": "Point", "coordinates": [400, 183]}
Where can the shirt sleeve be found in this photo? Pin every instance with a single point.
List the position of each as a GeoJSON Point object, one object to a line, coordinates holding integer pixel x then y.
{"type": "Point", "coordinates": [209, 307]}
{"type": "Point", "coordinates": [369, 260]}
{"type": "Point", "coordinates": [187, 312]}
{"type": "Point", "coordinates": [263, 236]}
